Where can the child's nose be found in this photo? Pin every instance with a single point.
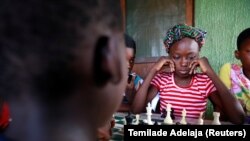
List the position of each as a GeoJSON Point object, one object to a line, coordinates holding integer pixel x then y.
{"type": "Point", "coordinates": [184, 62]}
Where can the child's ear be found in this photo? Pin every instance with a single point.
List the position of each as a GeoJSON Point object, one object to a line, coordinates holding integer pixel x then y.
{"type": "Point", "coordinates": [106, 64]}
{"type": "Point", "coordinates": [236, 54]}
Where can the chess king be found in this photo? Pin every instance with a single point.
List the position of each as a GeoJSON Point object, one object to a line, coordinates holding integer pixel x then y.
{"type": "Point", "coordinates": [149, 114]}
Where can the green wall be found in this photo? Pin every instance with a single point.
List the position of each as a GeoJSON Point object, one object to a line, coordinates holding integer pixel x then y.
{"type": "Point", "coordinates": [148, 20]}
{"type": "Point", "coordinates": [223, 20]}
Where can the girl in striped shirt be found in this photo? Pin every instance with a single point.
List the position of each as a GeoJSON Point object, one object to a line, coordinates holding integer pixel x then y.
{"type": "Point", "coordinates": [183, 87]}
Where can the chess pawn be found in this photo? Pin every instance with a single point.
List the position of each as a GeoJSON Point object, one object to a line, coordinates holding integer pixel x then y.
{"type": "Point", "coordinates": [124, 121]}
{"type": "Point", "coordinates": [168, 119]}
{"type": "Point", "coordinates": [200, 120]}
{"type": "Point", "coordinates": [216, 120]}
{"type": "Point", "coordinates": [183, 119]}
{"type": "Point", "coordinates": [137, 119]}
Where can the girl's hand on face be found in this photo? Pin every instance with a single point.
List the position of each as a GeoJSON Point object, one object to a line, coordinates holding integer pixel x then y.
{"type": "Point", "coordinates": [202, 63]}
{"type": "Point", "coordinates": [164, 61]}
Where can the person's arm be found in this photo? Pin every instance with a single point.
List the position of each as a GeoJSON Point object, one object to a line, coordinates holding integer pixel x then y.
{"type": "Point", "coordinates": [225, 100]}
{"type": "Point", "coordinates": [130, 92]}
{"type": "Point", "coordinates": [147, 91]}
{"type": "Point", "coordinates": [124, 107]}
{"type": "Point", "coordinates": [224, 75]}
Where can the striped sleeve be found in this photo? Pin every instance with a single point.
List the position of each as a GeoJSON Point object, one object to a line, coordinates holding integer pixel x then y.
{"type": "Point", "coordinates": [210, 87]}
{"type": "Point", "coordinates": [156, 81]}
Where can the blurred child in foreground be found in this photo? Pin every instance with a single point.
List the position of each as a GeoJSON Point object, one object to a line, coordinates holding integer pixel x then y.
{"type": "Point", "coordinates": [63, 68]}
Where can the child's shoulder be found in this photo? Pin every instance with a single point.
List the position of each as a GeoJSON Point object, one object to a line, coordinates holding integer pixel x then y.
{"type": "Point", "coordinates": [231, 66]}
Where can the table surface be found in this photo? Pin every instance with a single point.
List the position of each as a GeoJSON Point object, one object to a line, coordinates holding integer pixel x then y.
{"type": "Point", "coordinates": [120, 121]}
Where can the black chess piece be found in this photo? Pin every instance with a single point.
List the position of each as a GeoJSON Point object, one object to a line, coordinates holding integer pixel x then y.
{"type": "Point", "coordinates": [164, 113]}
{"type": "Point", "coordinates": [141, 122]}
{"type": "Point", "coordinates": [156, 123]}
{"type": "Point", "coordinates": [129, 119]}
{"type": "Point", "coordinates": [172, 113]}
{"type": "Point", "coordinates": [178, 123]}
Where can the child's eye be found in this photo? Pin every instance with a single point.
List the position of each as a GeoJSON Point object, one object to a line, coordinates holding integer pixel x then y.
{"type": "Point", "coordinates": [191, 57]}
{"type": "Point", "coordinates": [176, 57]}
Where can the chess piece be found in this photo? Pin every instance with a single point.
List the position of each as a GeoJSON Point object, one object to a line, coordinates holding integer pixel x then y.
{"type": "Point", "coordinates": [129, 119]}
{"type": "Point", "coordinates": [172, 113]}
{"type": "Point", "coordinates": [168, 119]}
{"type": "Point", "coordinates": [124, 121]}
{"type": "Point", "coordinates": [137, 119]}
{"type": "Point", "coordinates": [164, 113]}
{"type": "Point", "coordinates": [200, 120]}
{"type": "Point", "coordinates": [149, 114]}
{"type": "Point", "coordinates": [183, 119]}
{"type": "Point", "coordinates": [216, 120]}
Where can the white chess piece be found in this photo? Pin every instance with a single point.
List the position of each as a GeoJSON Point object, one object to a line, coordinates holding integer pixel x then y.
{"type": "Point", "coordinates": [137, 119]}
{"type": "Point", "coordinates": [149, 114]}
{"type": "Point", "coordinates": [124, 121]}
{"type": "Point", "coordinates": [168, 119]}
{"type": "Point", "coordinates": [183, 119]}
{"type": "Point", "coordinates": [200, 120]}
{"type": "Point", "coordinates": [216, 120]}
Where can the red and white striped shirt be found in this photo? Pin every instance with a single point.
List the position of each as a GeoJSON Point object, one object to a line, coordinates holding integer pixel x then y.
{"type": "Point", "coordinates": [193, 97]}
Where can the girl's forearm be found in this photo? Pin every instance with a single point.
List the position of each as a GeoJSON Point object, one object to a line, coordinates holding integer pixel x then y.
{"type": "Point", "coordinates": [231, 106]}
{"type": "Point", "coordinates": [141, 95]}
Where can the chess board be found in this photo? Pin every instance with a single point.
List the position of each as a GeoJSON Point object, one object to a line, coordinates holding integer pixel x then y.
{"type": "Point", "coordinates": [117, 131]}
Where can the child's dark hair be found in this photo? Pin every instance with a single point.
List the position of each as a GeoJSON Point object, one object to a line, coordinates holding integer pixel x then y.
{"type": "Point", "coordinates": [37, 45]}
{"type": "Point", "coordinates": [244, 35]}
{"type": "Point", "coordinates": [130, 42]}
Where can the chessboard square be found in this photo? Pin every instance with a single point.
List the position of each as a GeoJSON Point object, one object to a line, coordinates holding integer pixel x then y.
{"type": "Point", "coordinates": [115, 130]}
{"type": "Point", "coordinates": [119, 118]}
{"type": "Point", "coordinates": [119, 122]}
